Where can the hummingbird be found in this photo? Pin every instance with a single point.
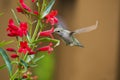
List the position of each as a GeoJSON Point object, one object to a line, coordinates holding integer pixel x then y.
{"type": "Point", "coordinates": [68, 36]}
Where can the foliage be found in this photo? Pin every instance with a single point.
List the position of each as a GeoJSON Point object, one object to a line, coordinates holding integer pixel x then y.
{"type": "Point", "coordinates": [35, 44]}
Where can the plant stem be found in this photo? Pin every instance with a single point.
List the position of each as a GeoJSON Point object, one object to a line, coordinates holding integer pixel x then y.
{"type": "Point", "coordinates": [40, 30]}
{"type": "Point", "coordinates": [14, 75]}
{"type": "Point", "coordinates": [24, 58]}
{"type": "Point", "coordinates": [18, 21]}
{"type": "Point", "coordinates": [36, 30]}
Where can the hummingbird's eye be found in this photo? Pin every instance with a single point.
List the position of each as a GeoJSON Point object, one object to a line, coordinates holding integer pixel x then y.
{"type": "Point", "coordinates": [58, 31]}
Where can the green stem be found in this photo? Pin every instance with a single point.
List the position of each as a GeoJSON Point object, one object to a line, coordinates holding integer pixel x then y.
{"type": "Point", "coordinates": [14, 75]}
{"type": "Point", "coordinates": [36, 30]}
{"type": "Point", "coordinates": [43, 6]}
{"type": "Point", "coordinates": [40, 30]}
{"type": "Point", "coordinates": [25, 56]}
{"type": "Point", "coordinates": [18, 21]}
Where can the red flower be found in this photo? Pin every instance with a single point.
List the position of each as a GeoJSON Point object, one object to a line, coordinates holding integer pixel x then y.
{"type": "Point", "coordinates": [46, 48]}
{"type": "Point", "coordinates": [24, 76]}
{"type": "Point", "coordinates": [23, 29]}
{"type": "Point", "coordinates": [12, 29]}
{"type": "Point", "coordinates": [31, 52]}
{"type": "Point", "coordinates": [19, 9]}
{"type": "Point", "coordinates": [47, 32]}
{"type": "Point", "coordinates": [14, 56]}
{"type": "Point", "coordinates": [10, 49]}
{"type": "Point", "coordinates": [51, 17]}
{"type": "Point", "coordinates": [16, 31]}
{"type": "Point", "coordinates": [23, 6]}
{"type": "Point", "coordinates": [33, 0]}
{"type": "Point", "coordinates": [36, 12]}
{"type": "Point", "coordinates": [24, 47]}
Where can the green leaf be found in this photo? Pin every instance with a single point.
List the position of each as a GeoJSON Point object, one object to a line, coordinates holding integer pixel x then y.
{"type": "Point", "coordinates": [48, 40]}
{"type": "Point", "coordinates": [28, 37]}
{"type": "Point", "coordinates": [7, 60]}
{"type": "Point", "coordinates": [23, 63]}
{"type": "Point", "coordinates": [35, 60]}
{"type": "Point", "coordinates": [48, 8]}
{"type": "Point", "coordinates": [16, 18]}
{"type": "Point", "coordinates": [33, 65]}
{"type": "Point", "coordinates": [2, 67]}
{"type": "Point", "coordinates": [3, 43]}
{"type": "Point", "coordinates": [39, 58]}
{"type": "Point", "coordinates": [29, 58]}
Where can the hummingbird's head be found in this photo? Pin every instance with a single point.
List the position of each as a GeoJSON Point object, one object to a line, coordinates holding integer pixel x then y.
{"type": "Point", "coordinates": [59, 30]}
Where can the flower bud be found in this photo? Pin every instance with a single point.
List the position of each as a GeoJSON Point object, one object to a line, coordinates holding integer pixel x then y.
{"type": "Point", "coordinates": [10, 49]}
{"type": "Point", "coordinates": [24, 76]}
{"type": "Point", "coordinates": [14, 56]}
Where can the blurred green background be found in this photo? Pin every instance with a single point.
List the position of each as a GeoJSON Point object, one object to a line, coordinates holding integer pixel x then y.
{"type": "Point", "coordinates": [45, 69]}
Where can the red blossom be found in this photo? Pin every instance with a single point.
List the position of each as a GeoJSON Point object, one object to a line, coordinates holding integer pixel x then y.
{"type": "Point", "coordinates": [51, 17]}
{"type": "Point", "coordinates": [10, 49]}
{"type": "Point", "coordinates": [31, 52]}
{"type": "Point", "coordinates": [23, 29]}
{"type": "Point", "coordinates": [16, 31]}
{"type": "Point", "coordinates": [47, 32]}
{"type": "Point", "coordinates": [33, 0]}
{"type": "Point", "coordinates": [14, 56]}
{"type": "Point", "coordinates": [24, 47]}
{"type": "Point", "coordinates": [36, 12]}
{"type": "Point", "coordinates": [19, 9]}
{"type": "Point", "coordinates": [47, 48]}
{"type": "Point", "coordinates": [12, 29]}
{"type": "Point", "coordinates": [24, 76]}
{"type": "Point", "coordinates": [23, 6]}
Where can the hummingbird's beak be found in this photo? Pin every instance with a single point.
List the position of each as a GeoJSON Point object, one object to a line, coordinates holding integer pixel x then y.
{"type": "Point", "coordinates": [54, 30]}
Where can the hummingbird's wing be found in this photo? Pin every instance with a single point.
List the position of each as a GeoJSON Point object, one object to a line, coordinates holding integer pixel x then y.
{"type": "Point", "coordinates": [87, 29]}
{"type": "Point", "coordinates": [61, 23]}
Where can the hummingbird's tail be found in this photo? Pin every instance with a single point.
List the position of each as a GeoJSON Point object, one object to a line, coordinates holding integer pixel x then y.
{"type": "Point", "coordinates": [80, 45]}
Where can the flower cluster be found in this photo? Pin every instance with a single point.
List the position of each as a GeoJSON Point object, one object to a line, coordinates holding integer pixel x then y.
{"type": "Point", "coordinates": [17, 31]}
{"type": "Point", "coordinates": [22, 29]}
{"type": "Point", "coordinates": [51, 17]}
{"type": "Point", "coordinates": [31, 36]}
{"type": "Point", "coordinates": [23, 8]}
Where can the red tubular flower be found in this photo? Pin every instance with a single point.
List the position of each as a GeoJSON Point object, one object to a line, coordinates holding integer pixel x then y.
{"type": "Point", "coordinates": [46, 48]}
{"type": "Point", "coordinates": [23, 6]}
{"type": "Point", "coordinates": [33, 0]}
{"type": "Point", "coordinates": [31, 52]}
{"type": "Point", "coordinates": [16, 31]}
{"type": "Point", "coordinates": [51, 17]}
{"type": "Point", "coordinates": [23, 29]}
{"type": "Point", "coordinates": [47, 32]}
{"type": "Point", "coordinates": [10, 49]}
{"type": "Point", "coordinates": [14, 56]}
{"type": "Point", "coordinates": [24, 47]}
{"type": "Point", "coordinates": [12, 29]}
{"type": "Point", "coordinates": [36, 12]}
{"type": "Point", "coordinates": [24, 76]}
{"type": "Point", "coordinates": [19, 9]}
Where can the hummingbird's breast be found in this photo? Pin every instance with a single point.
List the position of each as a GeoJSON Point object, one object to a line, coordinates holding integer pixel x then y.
{"type": "Point", "coordinates": [67, 37]}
